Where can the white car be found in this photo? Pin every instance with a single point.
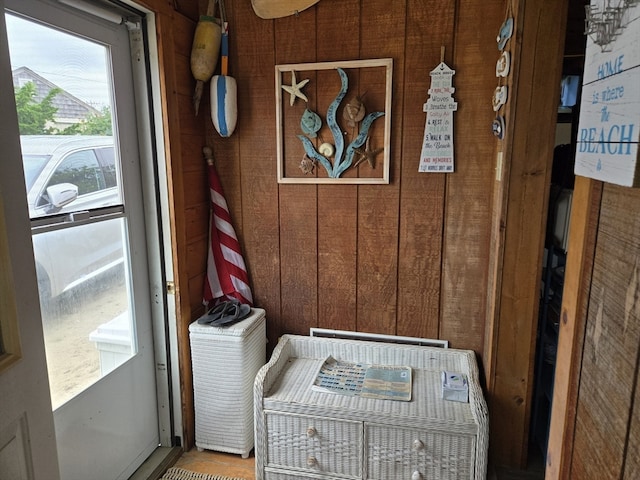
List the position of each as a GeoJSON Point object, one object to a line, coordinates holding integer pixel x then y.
{"type": "Point", "coordinates": [67, 174]}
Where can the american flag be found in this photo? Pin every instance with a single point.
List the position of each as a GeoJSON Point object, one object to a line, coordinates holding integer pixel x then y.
{"type": "Point", "coordinates": [226, 272]}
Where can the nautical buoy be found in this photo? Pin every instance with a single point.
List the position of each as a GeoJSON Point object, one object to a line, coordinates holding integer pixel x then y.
{"type": "Point", "coordinates": [224, 104]}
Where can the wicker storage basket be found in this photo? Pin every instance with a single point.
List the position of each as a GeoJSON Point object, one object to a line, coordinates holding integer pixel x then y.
{"type": "Point", "coordinates": [225, 362]}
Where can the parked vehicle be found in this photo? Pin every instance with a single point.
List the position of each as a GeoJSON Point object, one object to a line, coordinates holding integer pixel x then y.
{"type": "Point", "coordinates": [72, 175]}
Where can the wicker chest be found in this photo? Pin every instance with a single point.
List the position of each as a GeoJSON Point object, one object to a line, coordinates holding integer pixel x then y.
{"type": "Point", "coordinates": [302, 433]}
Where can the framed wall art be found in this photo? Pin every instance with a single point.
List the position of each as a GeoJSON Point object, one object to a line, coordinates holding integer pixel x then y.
{"type": "Point", "coordinates": [333, 122]}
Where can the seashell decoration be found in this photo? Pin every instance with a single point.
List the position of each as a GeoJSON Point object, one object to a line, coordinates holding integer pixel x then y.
{"type": "Point", "coordinates": [326, 149]}
{"type": "Point", "coordinates": [354, 111]}
{"type": "Point", "coordinates": [307, 165]}
{"type": "Point", "coordinates": [310, 123]}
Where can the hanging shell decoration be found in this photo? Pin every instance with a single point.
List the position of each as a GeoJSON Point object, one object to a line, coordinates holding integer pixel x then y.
{"type": "Point", "coordinates": [354, 111]}
{"type": "Point", "coordinates": [307, 165]}
{"type": "Point", "coordinates": [310, 123]}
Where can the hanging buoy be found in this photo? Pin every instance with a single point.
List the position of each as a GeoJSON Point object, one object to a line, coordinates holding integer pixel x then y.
{"type": "Point", "coordinates": [224, 90]}
{"type": "Point", "coordinates": [224, 106]}
{"type": "Point", "coordinates": [205, 51]}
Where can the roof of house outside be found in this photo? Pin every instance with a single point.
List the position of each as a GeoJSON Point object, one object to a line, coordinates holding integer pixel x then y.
{"type": "Point", "coordinates": [70, 109]}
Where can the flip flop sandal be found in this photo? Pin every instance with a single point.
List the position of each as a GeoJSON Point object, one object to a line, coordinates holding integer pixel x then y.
{"type": "Point", "coordinates": [236, 313]}
{"type": "Point", "coordinates": [215, 313]}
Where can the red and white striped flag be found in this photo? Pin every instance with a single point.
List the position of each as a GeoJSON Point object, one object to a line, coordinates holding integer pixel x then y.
{"type": "Point", "coordinates": [226, 272]}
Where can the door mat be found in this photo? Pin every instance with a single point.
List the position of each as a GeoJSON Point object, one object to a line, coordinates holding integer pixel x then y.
{"type": "Point", "coordinates": [181, 474]}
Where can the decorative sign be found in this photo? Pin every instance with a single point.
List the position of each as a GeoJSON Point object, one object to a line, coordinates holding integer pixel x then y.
{"type": "Point", "coordinates": [437, 146]}
{"type": "Point", "coordinates": [609, 127]}
{"type": "Point", "coordinates": [340, 128]}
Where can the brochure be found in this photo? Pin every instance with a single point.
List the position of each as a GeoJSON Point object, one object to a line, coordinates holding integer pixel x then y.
{"type": "Point", "coordinates": [387, 382]}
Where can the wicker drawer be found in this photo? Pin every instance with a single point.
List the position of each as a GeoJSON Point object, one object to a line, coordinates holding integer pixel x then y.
{"type": "Point", "coordinates": [269, 475]}
{"type": "Point", "coordinates": [398, 453]}
{"type": "Point", "coordinates": [314, 444]}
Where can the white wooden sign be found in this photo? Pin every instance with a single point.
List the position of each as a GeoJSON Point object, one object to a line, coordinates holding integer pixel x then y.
{"type": "Point", "coordinates": [609, 126]}
{"type": "Point", "coordinates": [437, 145]}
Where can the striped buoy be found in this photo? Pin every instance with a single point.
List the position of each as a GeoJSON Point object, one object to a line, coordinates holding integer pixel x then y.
{"type": "Point", "coordinates": [224, 106]}
{"type": "Point", "coordinates": [224, 90]}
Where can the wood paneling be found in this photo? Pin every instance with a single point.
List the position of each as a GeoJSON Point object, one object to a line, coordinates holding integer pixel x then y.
{"type": "Point", "coordinates": [409, 258]}
{"type": "Point", "coordinates": [465, 237]}
{"type": "Point", "coordinates": [338, 204]}
{"type": "Point", "coordinates": [612, 343]}
{"type": "Point", "coordinates": [382, 30]}
{"type": "Point", "coordinates": [253, 66]}
{"type": "Point", "coordinates": [421, 195]}
{"type": "Point", "coordinates": [584, 225]}
{"type": "Point", "coordinates": [532, 111]}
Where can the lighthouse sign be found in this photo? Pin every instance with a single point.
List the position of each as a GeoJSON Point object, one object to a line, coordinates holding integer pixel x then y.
{"type": "Point", "coordinates": [437, 145]}
{"type": "Point", "coordinates": [609, 126]}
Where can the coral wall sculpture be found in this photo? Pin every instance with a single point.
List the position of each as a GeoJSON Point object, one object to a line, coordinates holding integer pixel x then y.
{"type": "Point", "coordinates": [336, 156]}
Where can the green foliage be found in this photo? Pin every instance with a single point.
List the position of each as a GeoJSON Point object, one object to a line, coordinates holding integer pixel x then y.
{"type": "Point", "coordinates": [94, 124]}
{"type": "Point", "coordinates": [33, 116]}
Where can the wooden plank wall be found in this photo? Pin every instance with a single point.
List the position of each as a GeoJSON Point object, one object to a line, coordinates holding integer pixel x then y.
{"type": "Point", "coordinates": [408, 258]}
{"type": "Point", "coordinates": [405, 258]}
{"type": "Point", "coordinates": [520, 206]}
{"type": "Point", "coordinates": [606, 440]}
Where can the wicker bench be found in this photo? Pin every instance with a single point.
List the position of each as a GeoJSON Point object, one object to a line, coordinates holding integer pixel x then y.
{"type": "Point", "coordinates": [301, 433]}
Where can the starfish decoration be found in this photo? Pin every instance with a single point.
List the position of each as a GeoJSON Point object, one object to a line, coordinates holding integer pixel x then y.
{"type": "Point", "coordinates": [367, 154]}
{"type": "Point", "coordinates": [295, 89]}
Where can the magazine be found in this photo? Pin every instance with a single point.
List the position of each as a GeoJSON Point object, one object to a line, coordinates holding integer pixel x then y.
{"type": "Point", "coordinates": [364, 380]}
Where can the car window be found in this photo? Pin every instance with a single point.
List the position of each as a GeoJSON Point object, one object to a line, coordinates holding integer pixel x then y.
{"type": "Point", "coordinates": [83, 170]}
{"type": "Point", "coordinates": [33, 165]}
{"type": "Point", "coordinates": [108, 162]}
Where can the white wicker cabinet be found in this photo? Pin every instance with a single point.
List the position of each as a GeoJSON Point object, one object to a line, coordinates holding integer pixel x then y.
{"type": "Point", "coordinates": [304, 434]}
{"type": "Point", "coordinates": [225, 361]}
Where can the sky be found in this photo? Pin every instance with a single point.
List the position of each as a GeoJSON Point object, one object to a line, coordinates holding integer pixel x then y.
{"type": "Point", "coordinates": [72, 63]}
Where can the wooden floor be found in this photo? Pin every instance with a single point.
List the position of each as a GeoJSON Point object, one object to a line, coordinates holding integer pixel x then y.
{"type": "Point", "coordinates": [218, 463]}
{"type": "Point", "coordinates": [230, 465]}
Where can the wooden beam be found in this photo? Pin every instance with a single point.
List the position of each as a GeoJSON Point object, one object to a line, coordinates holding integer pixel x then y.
{"type": "Point", "coordinates": [582, 232]}
{"type": "Point", "coordinates": [516, 268]}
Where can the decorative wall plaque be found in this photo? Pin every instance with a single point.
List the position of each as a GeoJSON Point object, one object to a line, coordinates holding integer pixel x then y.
{"type": "Point", "coordinates": [437, 144]}
{"type": "Point", "coordinates": [609, 126]}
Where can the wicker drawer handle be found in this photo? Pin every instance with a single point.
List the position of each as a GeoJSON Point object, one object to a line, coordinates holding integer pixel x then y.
{"type": "Point", "coordinates": [312, 461]}
{"type": "Point", "coordinates": [416, 475]}
{"type": "Point", "coordinates": [311, 432]}
{"type": "Point", "coordinates": [418, 445]}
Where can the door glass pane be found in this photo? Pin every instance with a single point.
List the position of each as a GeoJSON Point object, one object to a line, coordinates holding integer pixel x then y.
{"type": "Point", "coordinates": [62, 85]}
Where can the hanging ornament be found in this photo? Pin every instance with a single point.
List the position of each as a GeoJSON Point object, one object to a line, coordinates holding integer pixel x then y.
{"type": "Point", "coordinates": [506, 30]}
{"type": "Point", "coordinates": [223, 93]}
{"type": "Point", "coordinates": [498, 126]}
{"type": "Point", "coordinates": [503, 65]}
{"type": "Point", "coordinates": [437, 144]}
{"type": "Point", "coordinates": [499, 97]}
{"type": "Point", "coordinates": [205, 51]}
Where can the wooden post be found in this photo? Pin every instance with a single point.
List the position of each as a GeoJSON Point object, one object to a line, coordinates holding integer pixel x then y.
{"type": "Point", "coordinates": [585, 205]}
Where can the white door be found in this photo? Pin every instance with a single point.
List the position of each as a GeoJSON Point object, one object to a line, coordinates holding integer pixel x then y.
{"type": "Point", "coordinates": [27, 441]}
{"type": "Point", "coordinates": [84, 190]}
